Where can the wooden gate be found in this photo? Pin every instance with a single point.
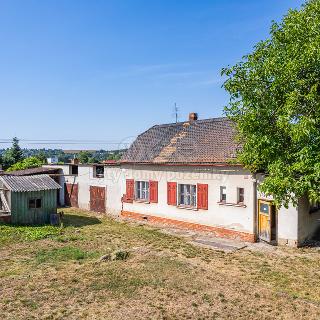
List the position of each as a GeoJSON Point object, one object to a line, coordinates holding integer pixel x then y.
{"type": "Point", "coordinates": [98, 199]}
{"type": "Point", "coordinates": [71, 194]}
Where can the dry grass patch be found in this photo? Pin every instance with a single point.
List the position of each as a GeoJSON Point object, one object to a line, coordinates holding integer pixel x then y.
{"type": "Point", "coordinates": [59, 276]}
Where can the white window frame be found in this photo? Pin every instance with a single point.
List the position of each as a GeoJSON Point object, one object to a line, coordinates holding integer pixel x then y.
{"type": "Point", "coordinates": [142, 191]}
{"type": "Point", "coordinates": [189, 196]}
{"type": "Point", "coordinates": [238, 195]}
{"type": "Point", "coordinates": [223, 192]}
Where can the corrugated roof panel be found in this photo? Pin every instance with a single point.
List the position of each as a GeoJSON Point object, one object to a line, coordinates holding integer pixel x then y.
{"type": "Point", "coordinates": [29, 183]}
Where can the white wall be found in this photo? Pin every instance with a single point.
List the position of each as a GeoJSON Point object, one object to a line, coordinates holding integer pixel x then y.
{"type": "Point", "coordinates": [230, 217]}
{"type": "Point", "coordinates": [85, 179]}
{"type": "Point", "coordinates": [287, 220]}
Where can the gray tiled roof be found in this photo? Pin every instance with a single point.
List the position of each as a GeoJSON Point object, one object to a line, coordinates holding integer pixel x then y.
{"type": "Point", "coordinates": [201, 141]}
{"type": "Point", "coordinates": [29, 183]}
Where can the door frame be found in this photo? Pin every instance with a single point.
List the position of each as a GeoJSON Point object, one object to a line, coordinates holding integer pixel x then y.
{"type": "Point", "coordinates": [273, 221]}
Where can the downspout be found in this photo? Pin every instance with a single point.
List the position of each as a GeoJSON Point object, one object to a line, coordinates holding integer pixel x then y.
{"type": "Point", "coordinates": [255, 207]}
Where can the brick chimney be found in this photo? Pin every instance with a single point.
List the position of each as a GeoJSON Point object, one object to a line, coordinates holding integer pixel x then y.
{"type": "Point", "coordinates": [193, 116]}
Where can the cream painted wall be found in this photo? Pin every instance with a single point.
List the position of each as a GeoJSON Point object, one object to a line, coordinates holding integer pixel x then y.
{"type": "Point", "coordinates": [230, 217]}
{"type": "Point", "coordinates": [112, 181]}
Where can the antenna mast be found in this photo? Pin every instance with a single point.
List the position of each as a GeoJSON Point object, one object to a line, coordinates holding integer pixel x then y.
{"type": "Point", "coordinates": [176, 111]}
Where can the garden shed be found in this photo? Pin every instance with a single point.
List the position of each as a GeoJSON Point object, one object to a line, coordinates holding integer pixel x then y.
{"type": "Point", "coordinates": [28, 199]}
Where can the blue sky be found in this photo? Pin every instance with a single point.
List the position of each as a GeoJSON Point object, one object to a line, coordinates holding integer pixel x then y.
{"type": "Point", "coordinates": [107, 70]}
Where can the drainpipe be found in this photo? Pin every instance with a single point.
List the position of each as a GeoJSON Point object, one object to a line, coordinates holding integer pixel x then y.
{"type": "Point", "coordinates": [255, 206]}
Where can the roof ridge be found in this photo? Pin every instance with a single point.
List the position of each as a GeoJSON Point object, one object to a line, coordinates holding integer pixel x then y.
{"type": "Point", "coordinates": [187, 121]}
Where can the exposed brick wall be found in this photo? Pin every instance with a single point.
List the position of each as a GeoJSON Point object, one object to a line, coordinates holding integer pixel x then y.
{"type": "Point", "coordinates": [216, 231]}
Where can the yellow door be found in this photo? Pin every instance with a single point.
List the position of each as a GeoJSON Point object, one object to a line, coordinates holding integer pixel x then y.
{"type": "Point", "coordinates": [264, 209]}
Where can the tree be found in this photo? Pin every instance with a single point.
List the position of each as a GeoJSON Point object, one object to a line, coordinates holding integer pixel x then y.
{"type": "Point", "coordinates": [41, 156]}
{"type": "Point", "coordinates": [31, 162]}
{"type": "Point", "coordinates": [84, 156]}
{"type": "Point", "coordinates": [12, 155]}
{"type": "Point", "coordinates": [275, 105]}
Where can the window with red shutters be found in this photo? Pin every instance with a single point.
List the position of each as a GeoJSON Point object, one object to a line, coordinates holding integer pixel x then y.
{"type": "Point", "coordinates": [202, 196]}
{"type": "Point", "coordinates": [129, 189]}
{"type": "Point", "coordinates": [172, 193]}
{"type": "Point", "coordinates": [153, 191]}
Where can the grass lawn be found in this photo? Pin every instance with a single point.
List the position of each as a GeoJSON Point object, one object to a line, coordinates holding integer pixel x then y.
{"type": "Point", "coordinates": [55, 273]}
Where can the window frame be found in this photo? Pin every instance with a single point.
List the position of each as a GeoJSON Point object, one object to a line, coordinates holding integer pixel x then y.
{"type": "Point", "coordinates": [139, 189]}
{"type": "Point", "coordinates": [239, 195]}
{"type": "Point", "coordinates": [192, 194]}
{"type": "Point", "coordinates": [98, 175]}
{"type": "Point", "coordinates": [223, 194]}
{"type": "Point", "coordinates": [36, 202]}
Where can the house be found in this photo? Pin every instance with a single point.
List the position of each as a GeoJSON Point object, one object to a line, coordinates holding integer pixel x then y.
{"type": "Point", "coordinates": [53, 160]}
{"type": "Point", "coordinates": [27, 199]}
{"type": "Point", "coordinates": [185, 175]}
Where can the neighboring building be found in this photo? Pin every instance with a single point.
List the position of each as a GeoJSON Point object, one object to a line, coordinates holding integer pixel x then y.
{"type": "Point", "coordinates": [184, 174]}
{"type": "Point", "coordinates": [27, 199]}
{"type": "Point", "coordinates": [52, 172]}
{"type": "Point", "coordinates": [53, 160]}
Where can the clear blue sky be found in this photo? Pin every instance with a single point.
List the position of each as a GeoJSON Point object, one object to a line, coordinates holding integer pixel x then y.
{"type": "Point", "coordinates": [109, 69]}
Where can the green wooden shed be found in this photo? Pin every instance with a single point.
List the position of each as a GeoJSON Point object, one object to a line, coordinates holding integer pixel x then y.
{"type": "Point", "coordinates": [28, 199]}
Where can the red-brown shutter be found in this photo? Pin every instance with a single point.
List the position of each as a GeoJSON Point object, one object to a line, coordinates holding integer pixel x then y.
{"type": "Point", "coordinates": [202, 196]}
{"type": "Point", "coordinates": [153, 191]}
{"type": "Point", "coordinates": [129, 189]}
{"type": "Point", "coordinates": [172, 193]}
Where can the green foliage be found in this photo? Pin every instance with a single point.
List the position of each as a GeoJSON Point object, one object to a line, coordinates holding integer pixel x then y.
{"type": "Point", "coordinates": [62, 254]}
{"type": "Point", "coordinates": [84, 156]}
{"type": "Point", "coordinates": [12, 155]}
{"type": "Point", "coordinates": [27, 163]}
{"type": "Point", "coordinates": [10, 233]}
{"type": "Point", "coordinates": [275, 104]}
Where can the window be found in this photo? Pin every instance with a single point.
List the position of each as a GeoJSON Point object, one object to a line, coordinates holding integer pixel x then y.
{"type": "Point", "coordinates": [98, 171]}
{"type": "Point", "coordinates": [223, 194]}
{"type": "Point", "coordinates": [35, 203]}
{"type": "Point", "coordinates": [74, 170]}
{"type": "Point", "coordinates": [187, 195]}
{"type": "Point", "coordinates": [241, 195]}
{"type": "Point", "coordinates": [142, 190]}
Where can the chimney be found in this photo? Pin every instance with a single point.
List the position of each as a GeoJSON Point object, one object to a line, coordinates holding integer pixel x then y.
{"type": "Point", "coordinates": [193, 116]}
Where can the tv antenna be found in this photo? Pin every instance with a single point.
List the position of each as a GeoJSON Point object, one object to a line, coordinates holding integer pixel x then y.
{"type": "Point", "coordinates": [176, 110]}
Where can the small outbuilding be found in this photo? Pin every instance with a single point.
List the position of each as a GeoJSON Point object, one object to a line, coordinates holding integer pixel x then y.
{"type": "Point", "coordinates": [28, 199]}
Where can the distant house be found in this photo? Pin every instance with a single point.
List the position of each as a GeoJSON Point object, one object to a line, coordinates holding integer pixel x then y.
{"type": "Point", "coordinates": [185, 175]}
{"type": "Point", "coordinates": [27, 199]}
{"type": "Point", "coordinates": [53, 160]}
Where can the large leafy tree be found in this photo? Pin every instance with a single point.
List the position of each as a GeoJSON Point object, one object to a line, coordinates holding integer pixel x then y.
{"type": "Point", "coordinates": [275, 104]}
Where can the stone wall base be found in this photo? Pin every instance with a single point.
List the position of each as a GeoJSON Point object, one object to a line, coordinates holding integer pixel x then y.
{"type": "Point", "coordinates": [216, 231]}
{"type": "Point", "coordinates": [288, 242]}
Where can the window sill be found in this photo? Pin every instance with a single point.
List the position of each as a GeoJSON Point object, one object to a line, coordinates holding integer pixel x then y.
{"type": "Point", "coordinates": [187, 208]}
{"type": "Point", "coordinates": [142, 201]}
{"type": "Point", "coordinates": [231, 204]}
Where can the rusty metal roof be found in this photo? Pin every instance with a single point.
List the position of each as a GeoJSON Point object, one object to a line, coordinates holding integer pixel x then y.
{"type": "Point", "coordinates": [202, 141]}
{"type": "Point", "coordinates": [29, 183]}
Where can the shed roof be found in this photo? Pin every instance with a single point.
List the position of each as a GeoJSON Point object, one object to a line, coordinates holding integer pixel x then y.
{"type": "Point", "coordinates": [199, 142]}
{"type": "Point", "coordinates": [32, 171]}
{"type": "Point", "coordinates": [29, 183]}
